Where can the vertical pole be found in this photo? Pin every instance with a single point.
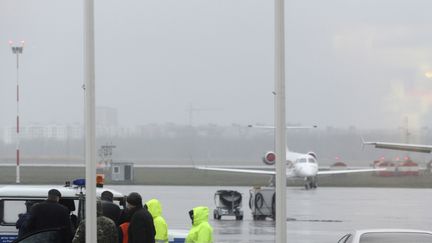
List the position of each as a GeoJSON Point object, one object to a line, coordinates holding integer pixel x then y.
{"type": "Point", "coordinates": [17, 123]}
{"type": "Point", "coordinates": [17, 50]}
{"type": "Point", "coordinates": [90, 136]}
{"type": "Point", "coordinates": [280, 122]}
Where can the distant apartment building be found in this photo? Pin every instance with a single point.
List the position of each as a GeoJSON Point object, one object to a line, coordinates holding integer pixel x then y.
{"type": "Point", "coordinates": [107, 122]}
{"type": "Point", "coordinates": [106, 117]}
{"type": "Point", "coordinates": [44, 131]}
{"type": "Point", "coordinates": [106, 125]}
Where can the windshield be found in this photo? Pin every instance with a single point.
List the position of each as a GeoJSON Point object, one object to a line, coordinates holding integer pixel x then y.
{"type": "Point", "coordinates": [302, 160]}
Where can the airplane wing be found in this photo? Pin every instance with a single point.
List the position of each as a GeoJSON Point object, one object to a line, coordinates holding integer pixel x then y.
{"type": "Point", "coordinates": [287, 127]}
{"type": "Point", "coordinates": [272, 172]}
{"type": "Point", "coordinates": [263, 172]}
{"type": "Point", "coordinates": [334, 172]}
{"type": "Point", "coordinates": [422, 148]}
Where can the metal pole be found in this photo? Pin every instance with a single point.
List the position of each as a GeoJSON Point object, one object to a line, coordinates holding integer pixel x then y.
{"type": "Point", "coordinates": [17, 50]}
{"type": "Point", "coordinates": [17, 124]}
{"type": "Point", "coordinates": [280, 122]}
{"type": "Point", "coordinates": [90, 136]}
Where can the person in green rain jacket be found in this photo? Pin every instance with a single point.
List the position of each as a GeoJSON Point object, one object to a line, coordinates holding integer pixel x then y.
{"type": "Point", "coordinates": [201, 231]}
{"type": "Point", "coordinates": [155, 209]}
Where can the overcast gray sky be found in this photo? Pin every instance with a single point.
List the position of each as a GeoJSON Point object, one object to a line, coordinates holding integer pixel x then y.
{"type": "Point", "coordinates": [348, 62]}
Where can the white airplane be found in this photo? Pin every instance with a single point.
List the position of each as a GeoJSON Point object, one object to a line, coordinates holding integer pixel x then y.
{"type": "Point", "coordinates": [299, 166]}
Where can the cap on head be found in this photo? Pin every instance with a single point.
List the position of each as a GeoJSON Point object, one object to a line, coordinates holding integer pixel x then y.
{"type": "Point", "coordinates": [134, 199]}
{"type": "Point", "coordinates": [107, 196]}
{"type": "Point", "coordinates": [54, 192]}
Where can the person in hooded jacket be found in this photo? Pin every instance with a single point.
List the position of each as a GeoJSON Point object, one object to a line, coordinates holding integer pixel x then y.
{"type": "Point", "coordinates": [201, 231]}
{"type": "Point", "coordinates": [161, 227]}
{"type": "Point", "coordinates": [141, 227]}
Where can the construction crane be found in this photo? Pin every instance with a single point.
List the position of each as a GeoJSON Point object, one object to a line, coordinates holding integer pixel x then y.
{"type": "Point", "coordinates": [191, 110]}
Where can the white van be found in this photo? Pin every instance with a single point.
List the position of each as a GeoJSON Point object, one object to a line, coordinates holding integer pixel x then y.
{"type": "Point", "coordinates": [13, 200]}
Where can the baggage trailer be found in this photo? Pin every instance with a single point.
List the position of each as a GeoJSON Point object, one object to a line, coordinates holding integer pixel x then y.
{"type": "Point", "coordinates": [228, 203]}
{"type": "Point", "coordinates": [262, 202]}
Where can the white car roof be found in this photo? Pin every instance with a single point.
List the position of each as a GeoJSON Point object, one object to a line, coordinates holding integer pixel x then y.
{"type": "Point", "coordinates": [362, 231]}
{"type": "Point", "coordinates": [358, 233]}
{"type": "Point", "coordinates": [41, 191]}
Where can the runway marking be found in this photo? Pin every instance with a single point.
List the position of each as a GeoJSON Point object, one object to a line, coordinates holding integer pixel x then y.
{"type": "Point", "coordinates": [316, 220]}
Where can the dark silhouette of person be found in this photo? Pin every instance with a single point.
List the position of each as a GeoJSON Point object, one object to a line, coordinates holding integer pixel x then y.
{"type": "Point", "coordinates": [23, 219]}
{"type": "Point", "coordinates": [50, 214]}
{"type": "Point", "coordinates": [109, 208]}
{"type": "Point", "coordinates": [141, 227]}
{"type": "Point", "coordinates": [70, 205]}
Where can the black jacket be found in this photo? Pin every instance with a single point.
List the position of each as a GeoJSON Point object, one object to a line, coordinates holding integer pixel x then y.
{"type": "Point", "coordinates": [111, 210]}
{"type": "Point", "coordinates": [141, 227]}
{"type": "Point", "coordinates": [49, 214]}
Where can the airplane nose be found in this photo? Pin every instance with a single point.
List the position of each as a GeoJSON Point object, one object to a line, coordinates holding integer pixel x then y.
{"type": "Point", "coordinates": [306, 171]}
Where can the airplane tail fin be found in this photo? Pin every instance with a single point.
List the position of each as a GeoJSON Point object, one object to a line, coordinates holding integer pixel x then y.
{"type": "Point", "coordinates": [287, 127]}
{"type": "Point", "coordinates": [363, 142]}
{"type": "Point", "coordinates": [192, 160]}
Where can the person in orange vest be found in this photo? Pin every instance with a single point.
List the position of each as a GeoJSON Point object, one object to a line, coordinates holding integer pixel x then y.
{"type": "Point", "coordinates": [123, 231]}
{"type": "Point", "coordinates": [123, 227]}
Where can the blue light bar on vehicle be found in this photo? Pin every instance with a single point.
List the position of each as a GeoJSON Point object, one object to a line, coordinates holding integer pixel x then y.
{"type": "Point", "coordinates": [79, 182]}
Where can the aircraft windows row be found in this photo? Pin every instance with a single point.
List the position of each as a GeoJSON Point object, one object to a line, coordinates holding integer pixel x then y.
{"type": "Point", "coordinates": [305, 160]}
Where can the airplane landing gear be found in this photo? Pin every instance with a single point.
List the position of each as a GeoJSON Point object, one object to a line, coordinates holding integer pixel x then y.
{"type": "Point", "coordinates": [311, 183]}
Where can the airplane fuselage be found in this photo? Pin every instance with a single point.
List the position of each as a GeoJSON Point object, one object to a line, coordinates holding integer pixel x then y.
{"type": "Point", "coordinates": [303, 167]}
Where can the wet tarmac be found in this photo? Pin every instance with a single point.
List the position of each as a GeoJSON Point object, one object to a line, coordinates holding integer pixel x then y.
{"type": "Point", "coordinates": [322, 215]}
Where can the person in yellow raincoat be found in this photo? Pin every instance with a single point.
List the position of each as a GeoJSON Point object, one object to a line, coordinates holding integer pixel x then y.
{"type": "Point", "coordinates": [201, 231]}
{"type": "Point", "coordinates": [161, 227]}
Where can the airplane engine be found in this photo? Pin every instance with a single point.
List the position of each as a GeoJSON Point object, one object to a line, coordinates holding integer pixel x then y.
{"type": "Point", "coordinates": [269, 158]}
{"type": "Point", "coordinates": [313, 154]}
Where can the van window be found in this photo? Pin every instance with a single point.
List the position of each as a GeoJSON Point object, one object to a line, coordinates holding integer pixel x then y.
{"type": "Point", "coordinates": [11, 209]}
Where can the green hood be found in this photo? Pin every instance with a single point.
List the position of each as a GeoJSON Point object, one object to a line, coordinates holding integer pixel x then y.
{"type": "Point", "coordinates": [200, 214]}
{"type": "Point", "coordinates": [154, 207]}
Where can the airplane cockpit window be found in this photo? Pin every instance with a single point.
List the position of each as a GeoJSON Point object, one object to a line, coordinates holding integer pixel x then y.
{"type": "Point", "coordinates": [312, 160]}
{"type": "Point", "coordinates": [302, 160]}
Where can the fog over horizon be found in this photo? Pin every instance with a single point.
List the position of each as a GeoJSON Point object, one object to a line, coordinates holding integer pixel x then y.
{"type": "Point", "coordinates": [172, 144]}
{"type": "Point", "coordinates": [359, 63]}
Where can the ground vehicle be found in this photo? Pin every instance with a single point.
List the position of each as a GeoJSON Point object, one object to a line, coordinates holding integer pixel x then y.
{"type": "Point", "coordinates": [13, 198]}
{"type": "Point", "coordinates": [43, 236]}
{"type": "Point", "coordinates": [387, 236]}
{"type": "Point", "coordinates": [262, 202]}
{"type": "Point", "coordinates": [228, 203]}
